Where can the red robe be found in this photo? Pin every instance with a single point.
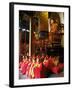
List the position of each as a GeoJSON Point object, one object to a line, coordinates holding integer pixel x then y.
{"type": "Point", "coordinates": [61, 66]}
{"type": "Point", "coordinates": [20, 64]}
{"type": "Point", "coordinates": [46, 63]}
{"type": "Point", "coordinates": [43, 70]}
{"type": "Point", "coordinates": [28, 68]}
{"type": "Point", "coordinates": [37, 70]}
{"type": "Point", "coordinates": [31, 71]}
{"type": "Point", "coordinates": [24, 67]}
{"type": "Point", "coordinates": [55, 70]}
{"type": "Point", "coordinates": [50, 64]}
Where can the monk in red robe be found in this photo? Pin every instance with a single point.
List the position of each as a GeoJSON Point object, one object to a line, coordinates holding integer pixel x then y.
{"type": "Point", "coordinates": [45, 62]}
{"type": "Point", "coordinates": [61, 66]}
{"type": "Point", "coordinates": [31, 70]}
{"type": "Point", "coordinates": [38, 67]}
{"type": "Point", "coordinates": [21, 63]}
{"type": "Point", "coordinates": [45, 66]}
{"type": "Point", "coordinates": [28, 67]}
{"type": "Point", "coordinates": [24, 65]}
{"type": "Point", "coordinates": [55, 69]}
{"type": "Point", "coordinates": [50, 63]}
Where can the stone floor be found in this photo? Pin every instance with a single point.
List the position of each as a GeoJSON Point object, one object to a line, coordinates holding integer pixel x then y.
{"type": "Point", "coordinates": [21, 76]}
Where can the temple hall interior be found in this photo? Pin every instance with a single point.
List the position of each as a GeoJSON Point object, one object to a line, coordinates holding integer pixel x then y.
{"type": "Point", "coordinates": [41, 44]}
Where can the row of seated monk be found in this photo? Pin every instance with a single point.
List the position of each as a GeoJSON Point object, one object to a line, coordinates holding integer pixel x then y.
{"type": "Point", "coordinates": [40, 66]}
